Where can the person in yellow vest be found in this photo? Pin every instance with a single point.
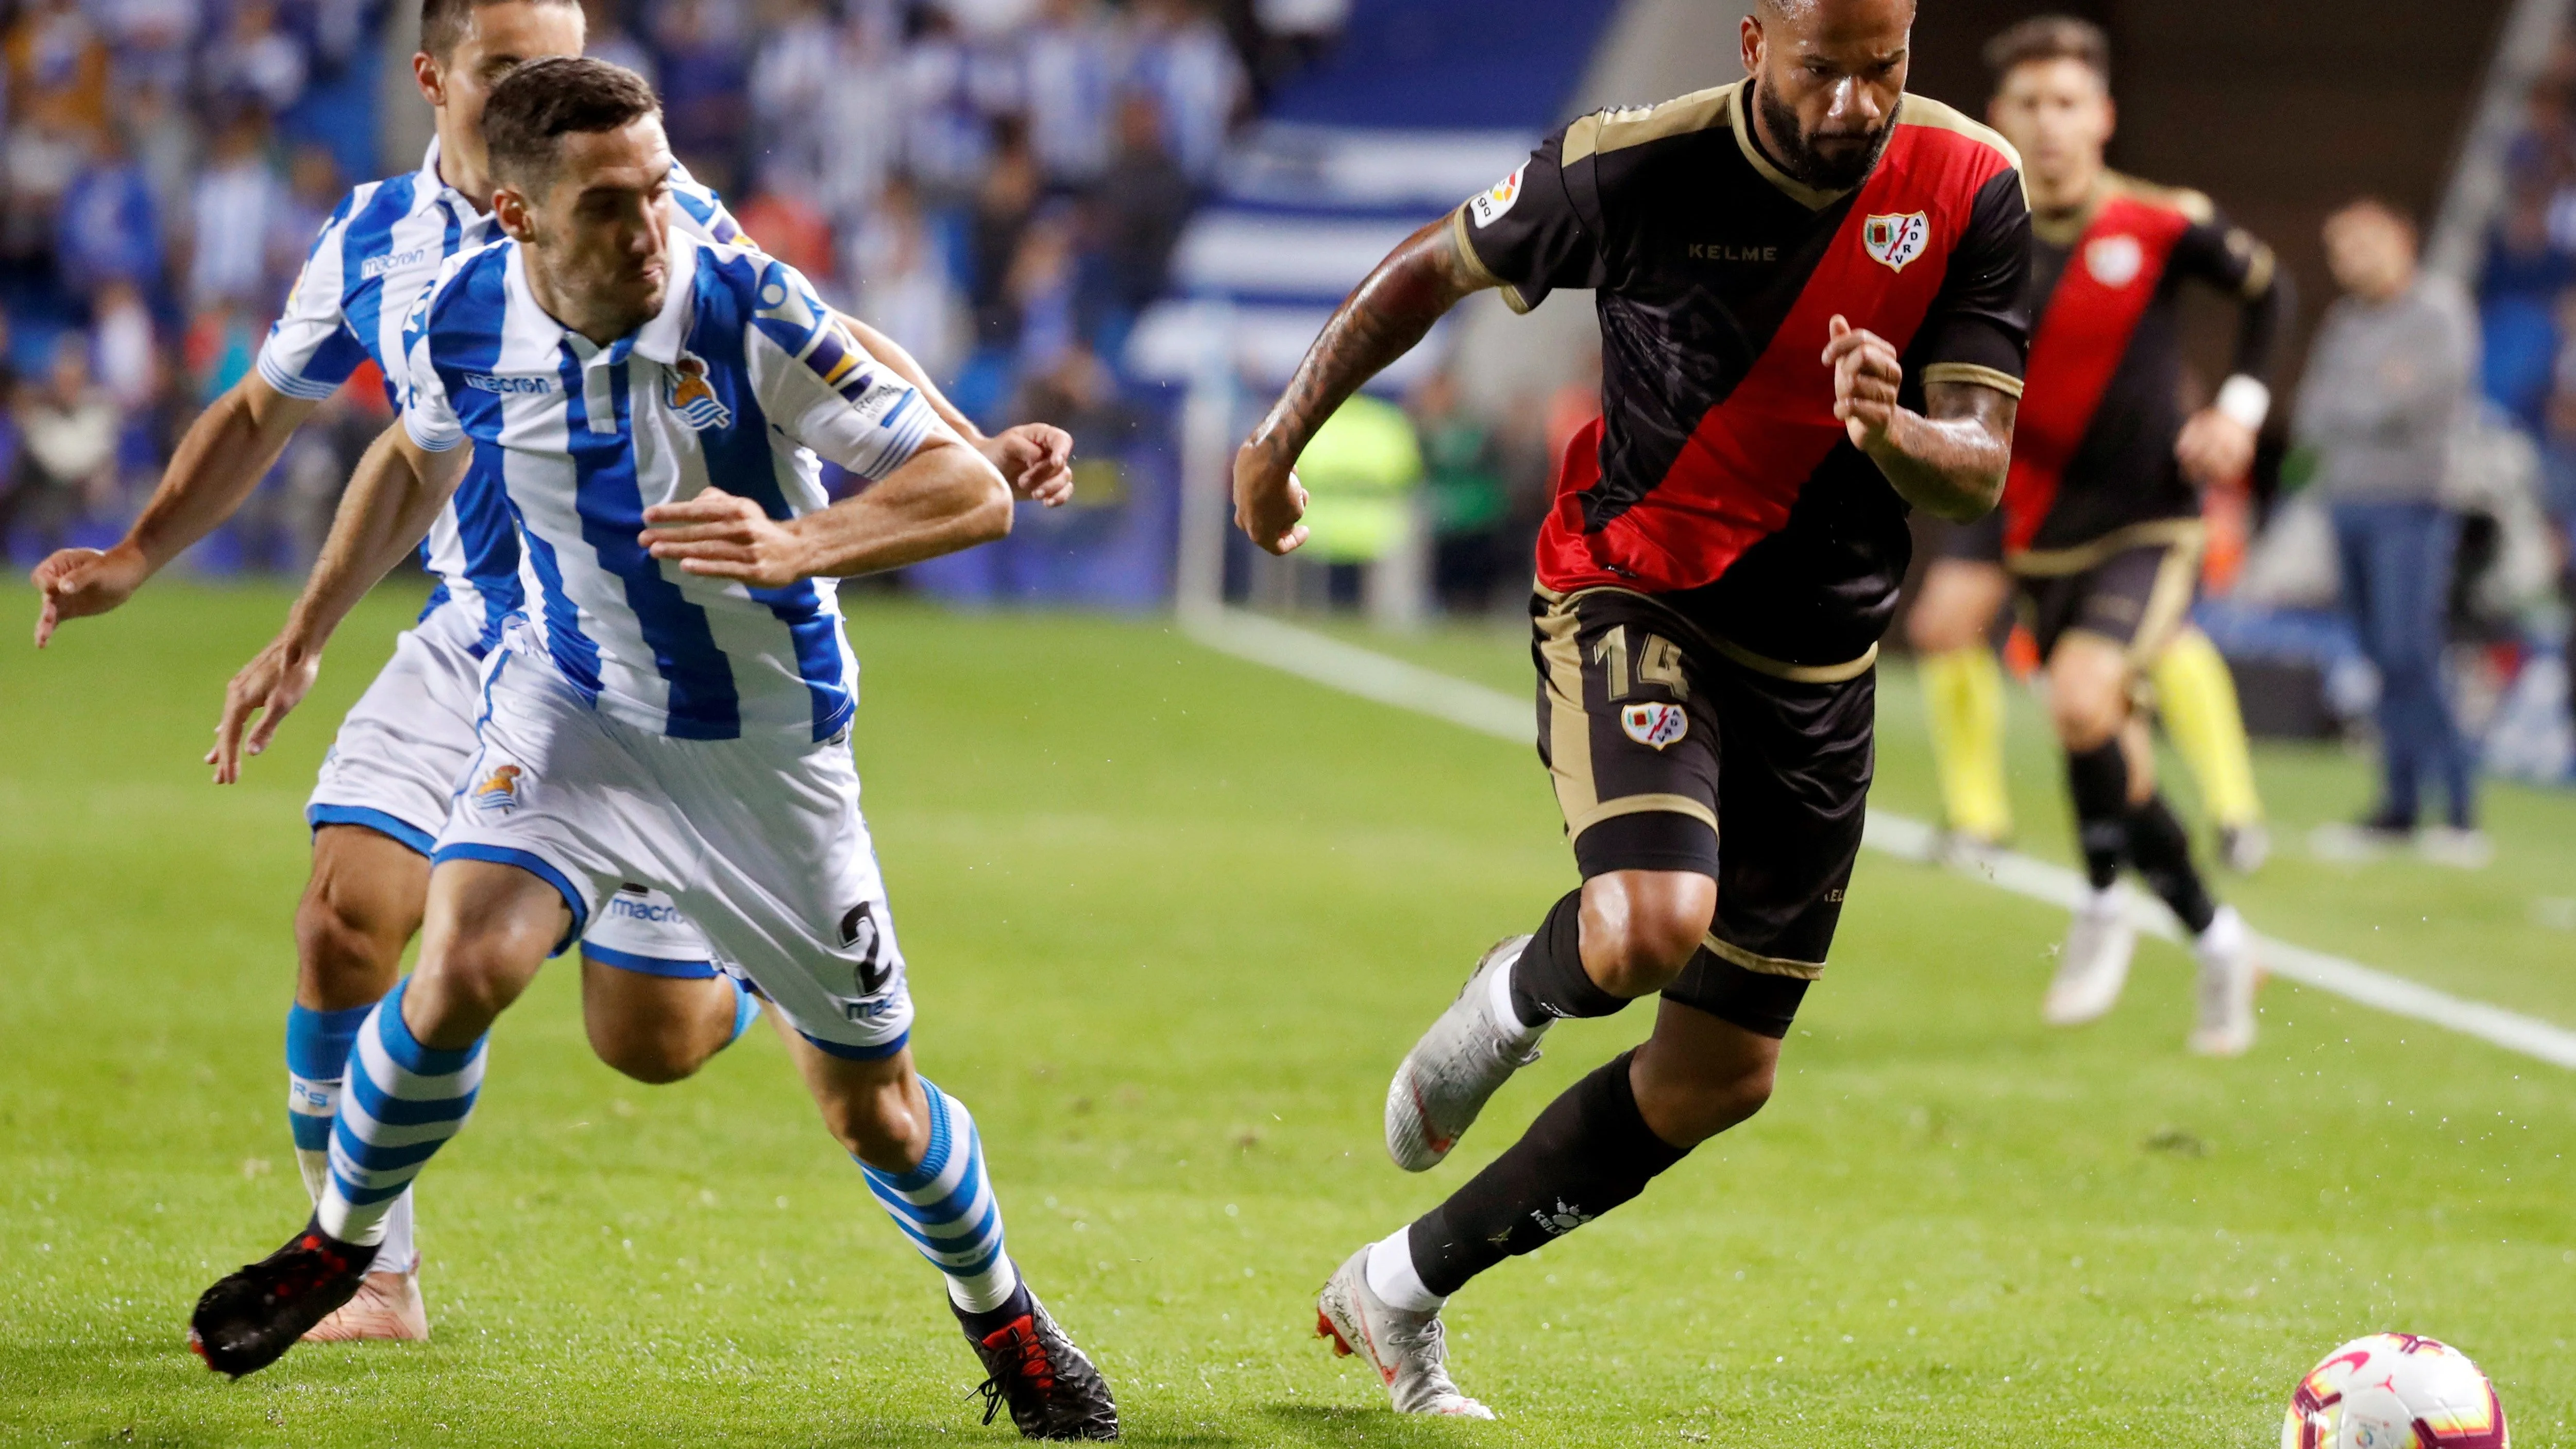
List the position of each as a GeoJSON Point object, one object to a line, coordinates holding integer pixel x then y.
{"type": "Point", "coordinates": [1363, 477]}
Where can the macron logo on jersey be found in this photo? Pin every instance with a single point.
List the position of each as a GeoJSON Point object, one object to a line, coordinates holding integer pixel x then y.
{"type": "Point", "coordinates": [374, 267]}
{"type": "Point", "coordinates": [488, 382]}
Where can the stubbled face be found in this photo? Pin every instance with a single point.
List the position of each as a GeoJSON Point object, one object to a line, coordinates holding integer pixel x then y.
{"type": "Point", "coordinates": [2371, 253]}
{"type": "Point", "coordinates": [599, 229]}
{"type": "Point", "coordinates": [2058, 115]}
{"type": "Point", "coordinates": [1827, 78]}
{"type": "Point", "coordinates": [498, 39]}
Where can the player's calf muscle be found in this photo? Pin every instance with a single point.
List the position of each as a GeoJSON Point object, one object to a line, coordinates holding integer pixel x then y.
{"type": "Point", "coordinates": [653, 1029]}
{"type": "Point", "coordinates": [1697, 1076]}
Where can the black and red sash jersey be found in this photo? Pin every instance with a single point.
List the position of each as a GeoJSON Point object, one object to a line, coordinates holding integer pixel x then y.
{"type": "Point", "coordinates": [1718, 477]}
{"type": "Point", "coordinates": [2093, 454]}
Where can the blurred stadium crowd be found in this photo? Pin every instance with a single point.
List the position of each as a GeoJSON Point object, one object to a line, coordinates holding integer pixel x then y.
{"type": "Point", "coordinates": [997, 182]}
{"type": "Point", "coordinates": [1002, 184]}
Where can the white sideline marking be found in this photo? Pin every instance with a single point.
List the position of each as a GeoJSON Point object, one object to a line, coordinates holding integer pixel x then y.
{"type": "Point", "coordinates": [1373, 676]}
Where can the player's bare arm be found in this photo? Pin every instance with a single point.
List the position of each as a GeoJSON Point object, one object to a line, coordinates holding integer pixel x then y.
{"type": "Point", "coordinates": [392, 500]}
{"type": "Point", "coordinates": [947, 498]}
{"type": "Point", "coordinates": [225, 453]}
{"type": "Point", "coordinates": [1036, 459]}
{"type": "Point", "coordinates": [1392, 310]}
{"type": "Point", "coordinates": [1949, 459]}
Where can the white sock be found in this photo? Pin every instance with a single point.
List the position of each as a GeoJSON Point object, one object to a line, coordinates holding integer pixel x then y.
{"type": "Point", "coordinates": [396, 1254]}
{"type": "Point", "coordinates": [2226, 933]}
{"type": "Point", "coordinates": [1391, 1276]}
{"type": "Point", "coordinates": [1507, 1016]}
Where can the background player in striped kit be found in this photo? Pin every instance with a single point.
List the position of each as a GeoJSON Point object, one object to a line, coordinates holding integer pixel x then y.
{"type": "Point", "coordinates": [2102, 529]}
{"type": "Point", "coordinates": [676, 705]}
{"type": "Point", "coordinates": [656, 1008]}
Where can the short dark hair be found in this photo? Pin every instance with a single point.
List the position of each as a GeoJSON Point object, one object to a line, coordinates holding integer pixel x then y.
{"type": "Point", "coordinates": [442, 22]}
{"type": "Point", "coordinates": [2050, 37]}
{"type": "Point", "coordinates": [543, 101]}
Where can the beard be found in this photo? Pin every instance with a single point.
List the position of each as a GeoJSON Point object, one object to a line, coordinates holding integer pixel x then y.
{"type": "Point", "coordinates": [1838, 170]}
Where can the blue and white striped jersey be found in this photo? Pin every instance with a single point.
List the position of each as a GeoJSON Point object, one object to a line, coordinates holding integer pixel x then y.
{"type": "Point", "coordinates": [381, 247]}
{"type": "Point", "coordinates": [739, 381]}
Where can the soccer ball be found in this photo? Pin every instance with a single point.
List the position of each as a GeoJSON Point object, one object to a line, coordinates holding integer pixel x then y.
{"type": "Point", "coordinates": [2395, 1391]}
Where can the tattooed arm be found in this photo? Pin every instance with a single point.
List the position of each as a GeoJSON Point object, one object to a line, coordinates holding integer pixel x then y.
{"type": "Point", "coordinates": [1412, 289]}
{"type": "Point", "coordinates": [1948, 460]}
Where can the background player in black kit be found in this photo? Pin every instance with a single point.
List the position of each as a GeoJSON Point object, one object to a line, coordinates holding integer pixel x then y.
{"type": "Point", "coordinates": [2102, 529]}
{"type": "Point", "coordinates": [1811, 290]}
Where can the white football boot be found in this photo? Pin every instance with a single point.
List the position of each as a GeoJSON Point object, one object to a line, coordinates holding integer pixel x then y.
{"type": "Point", "coordinates": [2095, 962]}
{"type": "Point", "coordinates": [1409, 1350]}
{"type": "Point", "coordinates": [2228, 976]}
{"type": "Point", "coordinates": [1460, 1062]}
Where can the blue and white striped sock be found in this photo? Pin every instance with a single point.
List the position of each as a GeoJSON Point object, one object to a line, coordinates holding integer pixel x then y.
{"type": "Point", "coordinates": [317, 1056]}
{"type": "Point", "coordinates": [946, 1206]}
{"type": "Point", "coordinates": [399, 1104]}
{"type": "Point", "coordinates": [317, 1052]}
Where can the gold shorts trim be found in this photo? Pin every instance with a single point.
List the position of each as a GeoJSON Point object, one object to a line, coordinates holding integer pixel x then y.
{"type": "Point", "coordinates": [1729, 952]}
{"type": "Point", "coordinates": [1640, 805]}
{"type": "Point", "coordinates": [2052, 563]}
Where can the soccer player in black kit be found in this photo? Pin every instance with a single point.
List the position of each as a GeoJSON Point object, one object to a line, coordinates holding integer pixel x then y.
{"type": "Point", "coordinates": [2102, 529]}
{"type": "Point", "coordinates": [1810, 287]}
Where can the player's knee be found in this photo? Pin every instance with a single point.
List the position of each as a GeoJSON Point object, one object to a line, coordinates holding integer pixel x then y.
{"type": "Point", "coordinates": [2088, 705]}
{"type": "Point", "coordinates": [347, 950]}
{"type": "Point", "coordinates": [1645, 950]}
{"type": "Point", "coordinates": [656, 1056]}
{"type": "Point", "coordinates": [879, 1128]}
{"type": "Point", "coordinates": [1935, 630]}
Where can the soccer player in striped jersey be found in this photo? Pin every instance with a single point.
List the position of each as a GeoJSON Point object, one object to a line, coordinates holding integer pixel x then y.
{"type": "Point", "coordinates": [650, 405]}
{"type": "Point", "coordinates": [2102, 529]}
{"type": "Point", "coordinates": [655, 1006]}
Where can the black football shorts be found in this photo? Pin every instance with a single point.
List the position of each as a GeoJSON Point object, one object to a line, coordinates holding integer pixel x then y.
{"type": "Point", "coordinates": [2135, 591]}
{"type": "Point", "coordinates": [1667, 746]}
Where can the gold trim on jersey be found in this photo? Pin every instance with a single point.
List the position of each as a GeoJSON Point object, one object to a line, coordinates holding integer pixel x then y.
{"type": "Point", "coordinates": [1914, 110]}
{"type": "Point", "coordinates": [2065, 228]}
{"type": "Point", "coordinates": [1562, 604]}
{"type": "Point", "coordinates": [1476, 267]}
{"type": "Point", "coordinates": [1617, 130]}
{"type": "Point", "coordinates": [1762, 965]}
{"type": "Point", "coordinates": [2053, 563]}
{"type": "Point", "coordinates": [1569, 724]}
{"type": "Point", "coordinates": [1974, 376]}
{"type": "Point", "coordinates": [1812, 198]}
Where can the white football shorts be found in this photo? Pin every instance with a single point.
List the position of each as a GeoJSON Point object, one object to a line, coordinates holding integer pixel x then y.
{"type": "Point", "coordinates": [758, 839]}
{"type": "Point", "coordinates": [393, 769]}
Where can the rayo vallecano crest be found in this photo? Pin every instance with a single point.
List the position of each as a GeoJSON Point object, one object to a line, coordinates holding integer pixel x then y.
{"type": "Point", "coordinates": [686, 389]}
{"type": "Point", "coordinates": [1896, 240]}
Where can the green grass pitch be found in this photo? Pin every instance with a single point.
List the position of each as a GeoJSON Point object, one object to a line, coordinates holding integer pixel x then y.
{"type": "Point", "coordinates": [1172, 919]}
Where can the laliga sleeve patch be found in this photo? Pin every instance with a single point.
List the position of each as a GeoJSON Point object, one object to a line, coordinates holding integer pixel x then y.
{"type": "Point", "coordinates": [1655, 725]}
{"type": "Point", "coordinates": [1488, 207]}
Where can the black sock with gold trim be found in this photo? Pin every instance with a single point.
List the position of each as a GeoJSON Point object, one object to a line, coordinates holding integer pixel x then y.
{"type": "Point", "coordinates": [2161, 850]}
{"type": "Point", "coordinates": [2098, 779]}
{"type": "Point", "coordinates": [1590, 1151]}
{"type": "Point", "coordinates": [1549, 980]}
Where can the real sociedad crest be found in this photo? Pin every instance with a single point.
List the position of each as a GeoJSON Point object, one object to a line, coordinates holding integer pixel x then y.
{"type": "Point", "coordinates": [1896, 240]}
{"type": "Point", "coordinates": [692, 397]}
